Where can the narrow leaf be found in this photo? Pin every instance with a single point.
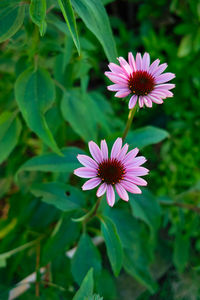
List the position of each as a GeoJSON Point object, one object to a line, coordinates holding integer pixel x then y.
{"type": "Point", "coordinates": [113, 244]}
{"type": "Point", "coordinates": [94, 15]}
{"type": "Point", "coordinates": [38, 13]}
{"type": "Point", "coordinates": [68, 14]}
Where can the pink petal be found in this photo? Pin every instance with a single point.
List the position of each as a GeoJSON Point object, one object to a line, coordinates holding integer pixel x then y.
{"type": "Point", "coordinates": [164, 77]}
{"type": "Point", "coordinates": [91, 184]}
{"type": "Point", "coordinates": [115, 68]}
{"type": "Point", "coordinates": [85, 172]}
{"type": "Point", "coordinates": [117, 78]}
{"type": "Point", "coordinates": [156, 100]}
{"type": "Point", "coordinates": [121, 192]}
{"type": "Point", "coordinates": [110, 195]}
{"type": "Point", "coordinates": [141, 101]}
{"type": "Point", "coordinates": [154, 66]}
{"type": "Point", "coordinates": [138, 171]}
{"type": "Point", "coordinates": [131, 155]}
{"type": "Point", "coordinates": [102, 189]}
{"type": "Point", "coordinates": [147, 101]}
{"type": "Point", "coordinates": [123, 93]}
{"type": "Point", "coordinates": [137, 161]}
{"type": "Point", "coordinates": [116, 148]}
{"type": "Point", "coordinates": [136, 180]}
{"type": "Point", "coordinates": [131, 61]}
{"type": "Point", "coordinates": [132, 101]}
{"type": "Point", "coordinates": [87, 161]}
{"type": "Point", "coordinates": [167, 86]}
{"type": "Point", "coordinates": [125, 65]}
{"type": "Point", "coordinates": [122, 152]}
{"type": "Point", "coordinates": [159, 69]}
{"type": "Point", "coordinates": [116, 87]}
{"type": "Point", "coordinates": [138, 61]}
{"type": "Point", "coordinates": [145, 61]}
{"type": "Point", "coordinates": [95, 151]}
{"type": "Point", "coordinates": [130, 187]}
{"type": "Point", "coordinates": [104, 149]}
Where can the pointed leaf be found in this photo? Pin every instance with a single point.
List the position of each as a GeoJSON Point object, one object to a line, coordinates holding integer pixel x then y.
{"type": "Point", "coordinates": [68, 14]}
{"type": "Point", "coordinates": [35, 93]}
{"type": "Point", "coordinates": [86, 288]}
{"type": "Point", "coordinates": [38, 13]}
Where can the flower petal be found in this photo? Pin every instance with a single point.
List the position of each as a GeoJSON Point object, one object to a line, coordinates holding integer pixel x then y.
{"type": "Point", "coordinates": [123, 93]}
{"type": "Point", "coordinates": [116, 148]}
{"type": "Point", "coordinates": [110, 195]}
{"type": "Point", "coordinates": [104, 149]}
{"type": "Point", "coordinates": [91, 184]}
{"type": "Point", "coordinates": [166, 86]}
{"type": "Point", "coordinates": [137, 161]}
{"type": "Point", "coordinates": [136, 180]}
{"type": "Point", "coordinates": [154, 66]}
{"type": "Point", "coordinates": [131, 155]}
{"type": "Point", "coordinates": [159, 70]}
{"type": "Point", "coordinates": [95, 151]}
{"type": "Point", "coordinates": [130, 187]}
{"type": "Point", "coordinates": [121, 192]}
{"type": "Point", "coordinates": [138, 61]}
{"type": "Point", "coordinates": [123, 152]}
{"type": "Point", "coordinates": [164, 77]}
{"type": "Point", "coordinates": [87, 161]}
{"type": "Point", "coordinates": [85, 172]}
{"type": "Point", "coordinates": [132, 101]}
{"type": "Point", "coordinates": [147, 101]}
{"type": "Point", "coordinates": [115, 68]}
{"type": "Point", "coordinates": [137, 171]}
{"type": "Point", "coordinates": [125, 65]}
{"type": "Point", "coordinates": [131, 61]}
{"type": "Point", "coordinates": [145, 61]}
{"type": "Point", "coordinates": [117, 78]}
{"type": "Point", "coordinates": [102, 189]}
{"type": "Point", "coordinates": [116, 87]}
{"type": "Point", "coordinates": [141, 101]}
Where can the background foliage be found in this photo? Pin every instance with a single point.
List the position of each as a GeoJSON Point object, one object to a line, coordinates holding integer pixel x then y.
{"type": "Point", "coordinates": [53, 101]}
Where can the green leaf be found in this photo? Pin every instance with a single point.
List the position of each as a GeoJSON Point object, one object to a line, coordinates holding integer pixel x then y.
{"type": "Point", "coordinates": [94, 15]}
{"type": "Point", "coordinates": [60, 195]}
{"type": "Point", "coordinates": [106, 286]}
{"type": "Point", "coordinates": [137, 248]}
{"type": "Point", "coordinates": [86, 288]}
{"type": "Point", "coordinates": [38, 13]}
{"type": "Point", "coordinates": [137, 268]}
{"type": "Point", "coordinates": [181, 250]}
{"type": "Point", "coordinates": [68, 14]}
{"type": "Point", "coordinates": [113, 244]}
{"type": "Point", "coordinates": [146, 208]}
{"type": "Point", "coordinates": [52, 162]}
{"type": "Point", "coordinates": [146, 136]}
{"type": "Point", "coordinates": [77, 109]}
{"type": "Point", "coordinates": [11, 19]}
{"type": "Point", "coordinates": [64, 235]}
{"type": "Point", "coordinates": [86, 256]}
{"type": "Point", "coordinates": [10, 128]}
{"type": "Point", "coordinates": [35, 93]}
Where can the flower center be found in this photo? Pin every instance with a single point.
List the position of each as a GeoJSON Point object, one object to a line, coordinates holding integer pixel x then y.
{"type": "Point", "coordinates": [111, 171]}
{"type": "Point", "coordinates": [141, 83]}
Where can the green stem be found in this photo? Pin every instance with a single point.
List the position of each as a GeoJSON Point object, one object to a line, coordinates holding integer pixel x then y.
{"type": "Point", "coordinates": [129, 121]}
{"type": "Point", "coordinates": [90, 214]}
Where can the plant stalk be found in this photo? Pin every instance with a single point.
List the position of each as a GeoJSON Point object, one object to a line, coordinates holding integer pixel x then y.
{"type": "Point", "coordinates": [129, 121]}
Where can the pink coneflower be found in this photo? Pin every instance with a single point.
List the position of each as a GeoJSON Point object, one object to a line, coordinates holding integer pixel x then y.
{"type": "Point", "coordinates": [145, 82]}
{"type": "Point", "coordinates": [121, 170]}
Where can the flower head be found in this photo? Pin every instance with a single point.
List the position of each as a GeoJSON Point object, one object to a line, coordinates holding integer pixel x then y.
{"type": "Point", "coordinates": [121, 170]}
{"type": "Point", "coordinates": [143, 81]}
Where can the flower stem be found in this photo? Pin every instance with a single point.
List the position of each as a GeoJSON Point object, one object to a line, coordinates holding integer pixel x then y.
{"type": "Point", "coordinates": [129, 121]}
{"type": "Point", "coordinates": [90, 214]}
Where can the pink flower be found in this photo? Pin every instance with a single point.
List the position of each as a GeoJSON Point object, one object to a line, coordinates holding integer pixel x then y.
{"type": "Point", "coordinates": [122, 170]}
{"type": "Point", "coordinates": [143, 81]}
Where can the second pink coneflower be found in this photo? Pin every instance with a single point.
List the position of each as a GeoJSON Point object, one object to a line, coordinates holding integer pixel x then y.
{"type": "Point", "coordinates": [121, 170]}
{"type": "Point", "coordinates": [143, 81]}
